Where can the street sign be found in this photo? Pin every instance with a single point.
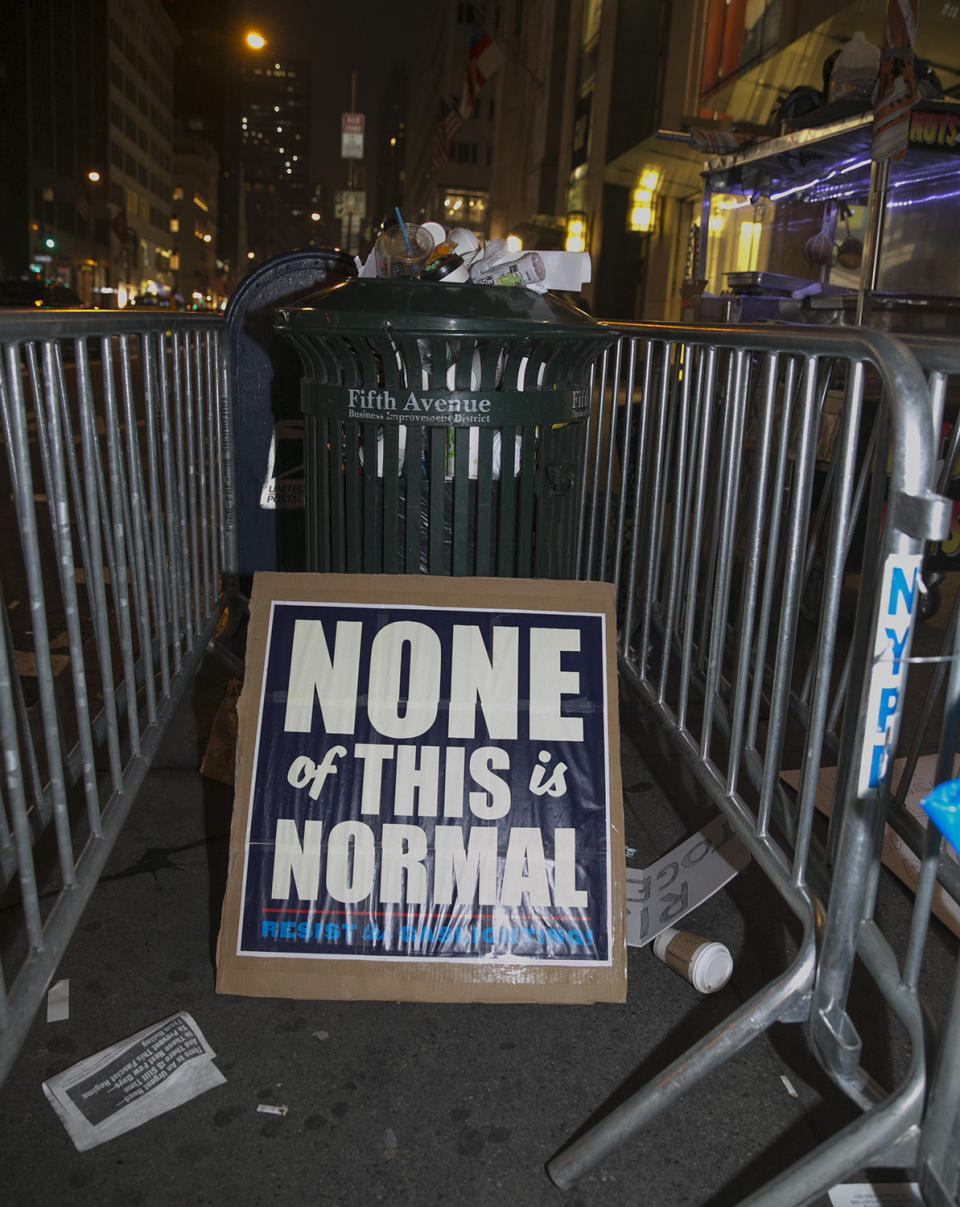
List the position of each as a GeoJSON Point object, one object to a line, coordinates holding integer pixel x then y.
{"type": "Point", "coordinates": [350, 202]}
{"type": "Point", "coordinates": [351, 135]}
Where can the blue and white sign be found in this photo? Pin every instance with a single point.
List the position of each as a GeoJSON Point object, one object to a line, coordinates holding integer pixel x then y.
{"type": "Point", "coordinates": [430, 783]}
{"type": "Point", "coordinates": [891, 653]}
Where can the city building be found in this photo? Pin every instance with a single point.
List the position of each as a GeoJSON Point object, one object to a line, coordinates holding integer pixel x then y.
{"type": "Point", "coordinates": [273, 154]}
{"type": "Point", "coordinates": [86, 89]}
{"type": "Point", "coordinates": [593, 130]}
{"type": "Point", "coordinates": [527, 97]}
{"type": "Point", "coordinates": [450, 124]}
{"type": "Point", "coordinates": [649, 80]}
{"type": "Point", "coordinates": [141, 41]}
{"type": "Point", "coordinates": [252, 102]}
{"type": "Point", "coordinates": [389, 158]}
{"type": "Point", "coordinates": [198, 280]}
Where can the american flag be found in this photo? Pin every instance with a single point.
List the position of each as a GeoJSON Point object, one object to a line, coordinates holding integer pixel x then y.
{"type": "Point", "coordinates": [118, 224]}
{"type": "Point", "coordinates": [448, 124]}
{"type": "Point", "coordinates": [485, 58]}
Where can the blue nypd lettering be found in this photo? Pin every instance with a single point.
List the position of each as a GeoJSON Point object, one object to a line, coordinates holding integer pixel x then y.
{"type": "Point", "coordinates": [891, 653]}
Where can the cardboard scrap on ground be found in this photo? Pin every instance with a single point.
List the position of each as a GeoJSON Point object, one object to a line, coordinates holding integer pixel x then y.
{"type": "Point", "coordinates": [896, 855]}
{"type": "Point", "coordinates": [660, 895]}
{"type": "Point", "coordinates": [149, 1073]}
{"type": "Point", "coordinates": [221, 753]}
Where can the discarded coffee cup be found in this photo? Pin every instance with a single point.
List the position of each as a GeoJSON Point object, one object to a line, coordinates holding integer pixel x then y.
{"type": "Point", "coordinates": [527, 270]}
{"type": "Point", "coordinates": [449, 268]}
{"type": "Point", "coordinates": [436, 230]}
{"type": "Point", "coordinates": [705, 964]}
{"type": "Point", "coordinates": [403, 251]}
{"type": "Point", "coordinates": [465, 243]}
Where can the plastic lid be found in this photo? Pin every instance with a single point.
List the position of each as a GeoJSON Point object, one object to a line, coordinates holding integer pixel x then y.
{"type": "Point", "coordinates": [443, 266]}
{"type": "Point", "coordinates": [710, 967]}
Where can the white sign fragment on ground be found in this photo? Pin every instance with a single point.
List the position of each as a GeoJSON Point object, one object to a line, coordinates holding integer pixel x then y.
{"type": "Point", "coordinates": [147, 1074]}
{"type": "Point", "coordinates": [58, 1002]}
{"type": "Point", "coordinates": [660, 895]}
{"type": "Point", "coordinates": [876, 1194]}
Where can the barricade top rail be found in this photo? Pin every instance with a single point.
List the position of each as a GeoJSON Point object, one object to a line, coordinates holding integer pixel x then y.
{"type": "Point", "coordinates": [939, 352]}
{"type": "Point", "coordinates": [38, 325]}
{"type": "Point", "coordinates": [913, 438]}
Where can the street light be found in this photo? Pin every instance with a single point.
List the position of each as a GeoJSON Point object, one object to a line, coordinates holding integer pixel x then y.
{"type": "Point", "coordinates": [255, 41]}
{"type": "Point", "coordinates": [93, 176]}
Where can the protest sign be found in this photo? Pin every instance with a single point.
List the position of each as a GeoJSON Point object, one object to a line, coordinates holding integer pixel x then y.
{"type": "Point", "coordinates": [428, 793]}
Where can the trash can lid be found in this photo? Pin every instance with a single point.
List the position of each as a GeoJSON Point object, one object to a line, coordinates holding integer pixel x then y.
{"type": "Point", "coordinates": [419, 308]}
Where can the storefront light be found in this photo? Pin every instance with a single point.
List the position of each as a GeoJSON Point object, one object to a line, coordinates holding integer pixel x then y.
{"type": "Point", "coordinates": [576, 232]}
{"type": "Point", "coordinates": [643, 202]}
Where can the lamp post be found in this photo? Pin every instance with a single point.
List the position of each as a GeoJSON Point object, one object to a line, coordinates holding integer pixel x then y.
{"type": "Point", "coordinates": [91, 276]}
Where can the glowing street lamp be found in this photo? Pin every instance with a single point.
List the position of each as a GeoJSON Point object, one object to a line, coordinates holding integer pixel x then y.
{"type": "Point", "coordinates": [93, 176]}
{"type": "Point", "coordinates": [255, 41]}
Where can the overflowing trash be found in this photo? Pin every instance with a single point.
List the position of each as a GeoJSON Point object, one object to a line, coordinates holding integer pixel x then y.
{"type": "Point", "coordinates": [432, 252]}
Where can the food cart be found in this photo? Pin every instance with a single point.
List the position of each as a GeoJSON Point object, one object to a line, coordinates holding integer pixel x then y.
{"type": "Point", "coordinates": [805, 227]}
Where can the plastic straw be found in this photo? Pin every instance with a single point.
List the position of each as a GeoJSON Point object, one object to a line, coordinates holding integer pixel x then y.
{"type": "Point", "coordinates": [403, 229]}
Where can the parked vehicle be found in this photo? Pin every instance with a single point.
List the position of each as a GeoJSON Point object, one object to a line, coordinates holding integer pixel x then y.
{"type": "Point", "coordinates": [38, 295]}
{"type": "Point", "coordinates": [154, 301]}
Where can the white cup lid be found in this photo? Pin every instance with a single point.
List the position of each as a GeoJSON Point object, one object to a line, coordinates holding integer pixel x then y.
{"type": "Point", "coordinates": [711, 967]}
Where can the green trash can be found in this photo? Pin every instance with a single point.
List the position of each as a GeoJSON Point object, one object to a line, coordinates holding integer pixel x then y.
{"type": "Point", "coordinates": [445, 427]}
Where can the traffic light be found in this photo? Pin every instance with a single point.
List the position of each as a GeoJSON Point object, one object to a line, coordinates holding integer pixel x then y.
{"type": "Point", "coordinates": [49, 242]}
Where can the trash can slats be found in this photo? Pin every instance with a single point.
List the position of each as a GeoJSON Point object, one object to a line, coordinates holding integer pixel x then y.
{"type": "Point", "coordinates": [445, 427]}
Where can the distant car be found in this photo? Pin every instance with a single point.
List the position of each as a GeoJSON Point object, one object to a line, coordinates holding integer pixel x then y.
{"type": "Point", "coordinates": [153, 301]}
{"type": "Point", "coordinates": [38, 295]}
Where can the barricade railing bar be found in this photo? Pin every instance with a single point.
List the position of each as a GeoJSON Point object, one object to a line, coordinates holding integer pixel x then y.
{"type": "Point", "coordinates": [761, 498]}
{"type": "Point", "coordinates": [118, 558]}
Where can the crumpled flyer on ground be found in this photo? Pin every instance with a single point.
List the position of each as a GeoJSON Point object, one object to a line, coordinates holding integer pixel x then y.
{"type": "Point", "coordinates": [147, 1074]}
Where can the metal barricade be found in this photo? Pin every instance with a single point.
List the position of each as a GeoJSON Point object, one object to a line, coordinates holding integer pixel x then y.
{"type": "Point", "coordinates": [740, 517]}
{"type": "Point", "coordinates": [116, 558]}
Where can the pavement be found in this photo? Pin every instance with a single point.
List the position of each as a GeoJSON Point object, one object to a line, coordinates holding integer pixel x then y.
{"type": "Point", "coordinates": [409, 1103]}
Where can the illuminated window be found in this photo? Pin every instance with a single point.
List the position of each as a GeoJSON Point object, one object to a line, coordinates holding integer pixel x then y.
{"type": "Point", "coordinates": [178, 193]}
{"type": "Point", "coordinates": [643, 203]}
{"type": "Point", "coordinates": [174, 226]}
{"type": "Point", "coordinates": [576, 239]}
